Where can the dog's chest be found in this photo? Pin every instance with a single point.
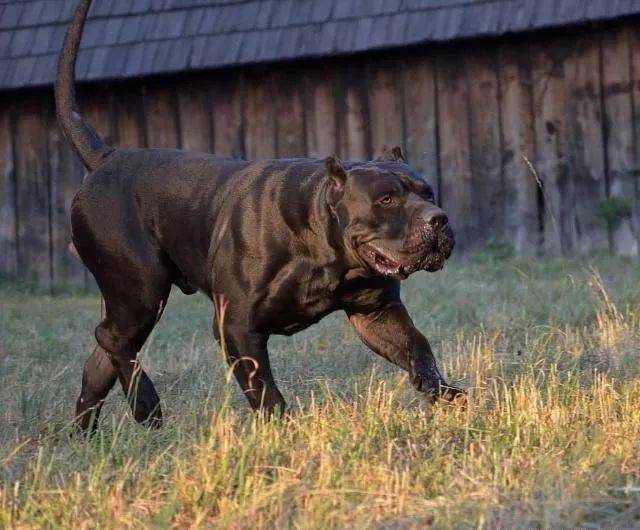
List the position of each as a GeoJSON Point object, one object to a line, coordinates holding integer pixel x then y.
{"type": "Point", "coordinates": [301, 297]}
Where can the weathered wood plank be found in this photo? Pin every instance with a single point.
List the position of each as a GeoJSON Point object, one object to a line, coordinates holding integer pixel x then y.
{"type": "Point", "coordinates": [228, 128]}
{"type": "Point", "coordinates": [634, 49]}
{"type": "Point", "coordinates": [385, 106]}
{"type": "Point", "coordinates": [195, 117]}
{"type": "Point", "coordinates": [65, 177]}
{"type": "Point", "coordinates": [521, 189]}
{"type": "Point", "coordinates": [487, 186]}
{"type": "Point", "coordinates": [290, 126]}
{"type": "Point", "coordinates": [8, 254]}
{"type": "Point", "coordinates": [618, 109]}
{"type": "Point", "coordinates": [129, 119]}
{"type": "Point", "coordinates": [341, 107]}
{"type": "Point", "coordinates": [33, 193]}
{"type": "Point", "coordinates": [549, 101]}
{"type": "Point", "coordinates": [161, 116]}
{"type": "Point", "coordinates": [455, 156]}
{"type": "Point", "coordinates": [97, 107]}
{"type": "Point", "coordinates": [357, 143]}
{"type": "Point", "coordinates": [320, 114]}
{"type": "Point", "coordinates": [420, 116]}
{"type": "Point", "coordinates": [259, 117]}
{"type": "Point", "coordinates": [354, 135]}
{"type": "Point", "coordinates": [585, 153]}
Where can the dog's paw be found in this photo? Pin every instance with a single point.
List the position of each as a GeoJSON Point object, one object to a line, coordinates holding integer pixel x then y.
{"type": "Point", "coordinates": [453, 395]}
{"type": "Point", "coordinates": [442, 391]}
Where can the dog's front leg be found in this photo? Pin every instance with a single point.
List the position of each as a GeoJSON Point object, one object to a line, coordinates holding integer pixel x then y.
{"type": "Point", "coordinates": [247, 355]}
{"type": "Point", "coordinates": [390, 332]}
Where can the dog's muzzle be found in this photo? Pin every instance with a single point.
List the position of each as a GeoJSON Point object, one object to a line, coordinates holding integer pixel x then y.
{"type": "Point", "coordinates": [430, 242]}
{"type": "Point", "coordinates": [427, 247]}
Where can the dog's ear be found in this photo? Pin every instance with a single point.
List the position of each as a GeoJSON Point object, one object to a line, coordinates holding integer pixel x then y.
{"type": "Point", "coordinates": [397, 154]}
{"type": "Point", "coordinates": [338, 177]}
{"type": "Point", "coordinates": [394, 154]}
{"type": "Point", "coordinates": [335, 170]}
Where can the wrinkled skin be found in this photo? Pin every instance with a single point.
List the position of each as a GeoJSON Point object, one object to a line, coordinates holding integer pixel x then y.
{"type": "Point", "coordinates": [281, 243]}
{"type": "Point", "coordinates": [390, 221]}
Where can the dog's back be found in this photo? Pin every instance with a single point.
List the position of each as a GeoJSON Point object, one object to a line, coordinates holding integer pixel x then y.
{"type": "Point", "coordinates": [184, 204]}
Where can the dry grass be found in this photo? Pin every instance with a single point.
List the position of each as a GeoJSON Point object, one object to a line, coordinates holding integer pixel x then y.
{"type": "Point", "coordinates": [550, 438]}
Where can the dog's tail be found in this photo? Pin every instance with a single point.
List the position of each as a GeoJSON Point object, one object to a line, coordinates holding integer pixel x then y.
{"type": "Point", "coordinates": [85, 140]}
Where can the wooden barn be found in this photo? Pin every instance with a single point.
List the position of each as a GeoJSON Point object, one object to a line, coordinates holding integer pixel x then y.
{"type": "Point", "coordinates": [524, 114]}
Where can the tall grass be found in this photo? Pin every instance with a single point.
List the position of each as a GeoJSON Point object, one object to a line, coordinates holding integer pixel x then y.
{"type": "Point", "coordinates": [550, 436]}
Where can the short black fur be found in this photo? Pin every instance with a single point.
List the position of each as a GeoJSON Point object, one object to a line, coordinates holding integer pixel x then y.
{"type": "Point", "coordinates": [278, 244]}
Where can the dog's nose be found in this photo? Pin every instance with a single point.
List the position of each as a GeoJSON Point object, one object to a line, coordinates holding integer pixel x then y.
{"type": "Point", "coordinates": [438, 220]}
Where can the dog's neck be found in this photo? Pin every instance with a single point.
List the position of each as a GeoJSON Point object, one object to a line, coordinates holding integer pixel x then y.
{"type": "Point", "coordinates": [326, 228]}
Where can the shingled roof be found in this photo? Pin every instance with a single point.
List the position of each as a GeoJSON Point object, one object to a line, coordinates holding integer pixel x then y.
{"type": "Point", "coordinates": [132, 38]}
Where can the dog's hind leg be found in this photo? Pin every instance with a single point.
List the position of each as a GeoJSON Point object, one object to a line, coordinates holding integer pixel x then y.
{"type": "Point", "coordinates": [98, 378]}
{"type": "Point", "coordinates": [135, 277]}
{"type": "Point", "coordinates": [135, 286]}
{"type": "Point", "coordinates": [128, 322]}
{"type": "Point", "coordinates": [120, 337]}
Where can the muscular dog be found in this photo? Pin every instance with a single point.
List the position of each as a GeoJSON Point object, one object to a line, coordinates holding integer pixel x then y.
{"type": "Point", "coordinates": [283, 242]}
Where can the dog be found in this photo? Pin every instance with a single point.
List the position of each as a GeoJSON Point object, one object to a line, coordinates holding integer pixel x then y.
{"type": "Point", "coordinates": [281, 243]}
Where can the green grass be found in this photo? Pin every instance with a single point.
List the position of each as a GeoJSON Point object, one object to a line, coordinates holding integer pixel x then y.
{"type": "Point", "coordinates": [550, 437]}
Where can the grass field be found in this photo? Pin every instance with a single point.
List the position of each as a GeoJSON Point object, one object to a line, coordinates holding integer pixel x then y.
{"type": "Point", "coordinates": [550, 437]}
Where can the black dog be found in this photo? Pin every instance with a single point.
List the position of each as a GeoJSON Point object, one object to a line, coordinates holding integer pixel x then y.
{"type": "Point", "coordinates": [281, 242]}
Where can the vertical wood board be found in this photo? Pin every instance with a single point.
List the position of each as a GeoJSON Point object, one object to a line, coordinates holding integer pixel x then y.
{"type": "Point", "coordinates": [290, 123]}
{"type": "Point", "coordinates": [8, 256]}
{"type": "Point", "coordinates": [32, 193]}
{"type": "Point", "coordinates": [162, 117]}
{"type": "Point", "coordinates": [226, 109]}
{"type": "Point", "coordinates": [421, 142]}
{"type": "Point", "coordinates": [98, 109]}
{"type": "Point", "coordinates": [259, 117]}
{"type": "Point", "coordinates": [195, 117]}
{"type": "Point", "coordinates": [385, 106]}
{"type": "Point", "coordinates": [520, 187]}
{"type": "Point", "coordinates": [585, 153]}
{"type": "Point", "coordinates": [353, 114]}
{"type": "Point", "coordinates": [130, 119]}
{"type": "Point", "coordinates": [634, 51]}
{"type": "Point", "coordinates": [320, 114]}
{"type": "Point", "coordinates": [488, 192]}
{"type": "Point", "coordinates": [455, 162]}
{"type": "Point", "coordinates": [618, 112]}
{"type": "Point", "coordinates": [549, 100]}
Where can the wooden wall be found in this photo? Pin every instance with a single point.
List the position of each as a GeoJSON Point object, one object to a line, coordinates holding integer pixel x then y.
{"type": "Point", "coordinates": [467, 115]}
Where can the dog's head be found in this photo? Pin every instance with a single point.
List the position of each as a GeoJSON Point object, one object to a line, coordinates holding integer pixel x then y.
{"type": "Point", "coordinates": [387, 216]}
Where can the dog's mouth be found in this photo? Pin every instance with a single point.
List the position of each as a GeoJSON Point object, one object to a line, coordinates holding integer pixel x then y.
{"type": "Point", "coordinates": [423, 249]}
{"type": "Point", "coordinates": [427, 252]}
{"type": "Point", "coordinates": [381, 261]}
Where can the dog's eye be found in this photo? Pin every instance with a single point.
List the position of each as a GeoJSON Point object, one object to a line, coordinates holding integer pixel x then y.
{"type": "Point", "coordinates": [386, 200]}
